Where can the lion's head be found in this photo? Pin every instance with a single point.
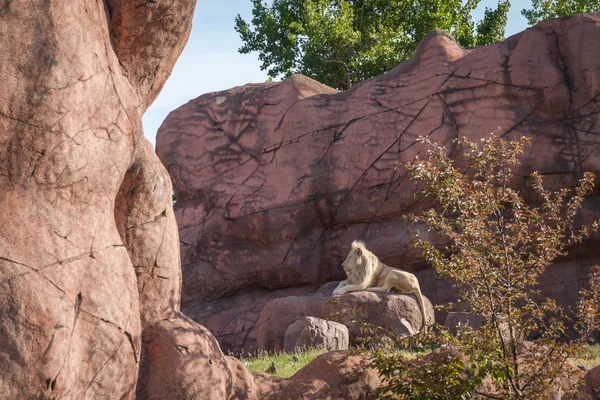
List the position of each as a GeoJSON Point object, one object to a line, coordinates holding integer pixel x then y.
{"type": "Point", "coordinates": [361, 264]}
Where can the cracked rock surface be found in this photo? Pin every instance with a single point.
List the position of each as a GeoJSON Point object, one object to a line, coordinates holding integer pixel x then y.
{"type": "Point", "coordinates": [89, 254]}
{"type": "Point", "coordinates": [274, 181]}
{"type": "Point", "coordinates": [90, 271]}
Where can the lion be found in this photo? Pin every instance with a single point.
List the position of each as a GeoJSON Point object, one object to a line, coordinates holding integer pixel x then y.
{"type": "Point", "coordinates": [366, 272]}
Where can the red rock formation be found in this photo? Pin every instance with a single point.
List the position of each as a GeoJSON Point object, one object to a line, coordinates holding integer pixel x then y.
{"type": "Point", "coordinates": [182, 360]}
{"type": "Point", "coordinates": [90, 273]}
{"type": "Point", "coordinates": [274, 181]}
{"type": "Point", "coordinates": [380, 309]}
{"type": "Point", "coordinates": [88, 243]}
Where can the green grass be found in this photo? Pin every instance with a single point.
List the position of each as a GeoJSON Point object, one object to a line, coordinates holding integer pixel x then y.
{"type": "Point", "coordinates": [590, 356]}
{"type": "Point", "coordinates": [284, 362]}
{"type": "Point", "coordinates": [286, 366]}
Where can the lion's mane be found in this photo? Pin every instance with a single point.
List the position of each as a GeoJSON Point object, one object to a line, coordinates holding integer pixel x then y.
{"type": "Point", "coordinates": [364, 264]}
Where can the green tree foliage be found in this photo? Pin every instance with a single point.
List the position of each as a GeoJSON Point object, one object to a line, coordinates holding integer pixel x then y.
{"type": "Point", "coordinates": [544, 9]}
{"type": "Point", "coordinates": [343, 42]}
{"type": "Point", "coordinates": [492, 26]}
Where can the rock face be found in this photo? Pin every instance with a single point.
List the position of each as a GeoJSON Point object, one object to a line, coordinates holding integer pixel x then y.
{"type": "Point", "coordinates": [274, 181]}
{"type": "Point", "coordinates": [331, 376]}
{"type": "Point", "coordinates": [592, 382]}
{"type": "Point", "coordinates": [90, 272]}
{"type": "Point", "coordinates": [314, 332]}
{"type": "Point", "coordinates": [89, 254]}
{"type": "Point", "coordinates": [386, 310]}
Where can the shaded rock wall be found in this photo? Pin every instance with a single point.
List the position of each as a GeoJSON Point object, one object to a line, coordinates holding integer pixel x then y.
{"type": "Point", "coordinates": [274, 181]}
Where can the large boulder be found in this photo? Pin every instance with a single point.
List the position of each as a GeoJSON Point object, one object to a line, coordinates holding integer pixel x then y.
{"type": "Point", "coordinates": [592, 382]}
{"type": "Point", "coordinates": [331, 376]}
{"type": "Point", "coordinates": [311, 332]}
{"type": "Point", "coordinates": [385, 310]}
{"type": "Point", "coordinates": [182, 360]}
{"type": "Point", "coordinates": [274, 181]}
{"type": "Point", "coordinates": [89, 247]}
{"type": "Point", "coordinates": [90, 273]}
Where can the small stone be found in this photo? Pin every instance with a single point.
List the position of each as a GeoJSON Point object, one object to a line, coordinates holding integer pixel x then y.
{"type": "Point", "coordinates": [403, 328]}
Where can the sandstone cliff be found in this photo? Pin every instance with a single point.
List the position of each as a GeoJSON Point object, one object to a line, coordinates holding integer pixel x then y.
{"type": "Point", "coordinates": [274, 181]}
{"type": "Point", "coordinates": [89, 253]}
{"type": "Point", "coordinates": [90, 272]}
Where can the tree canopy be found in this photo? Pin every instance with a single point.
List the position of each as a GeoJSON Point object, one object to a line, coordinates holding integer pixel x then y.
{"type": "Point", "coordinates": [544, 9]}
{"type": "Point", "coordinates": [343, 42]}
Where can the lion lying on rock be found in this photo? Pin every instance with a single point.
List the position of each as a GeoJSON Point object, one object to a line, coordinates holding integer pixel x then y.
{"type": "Point", "coordinates": [366, 272]}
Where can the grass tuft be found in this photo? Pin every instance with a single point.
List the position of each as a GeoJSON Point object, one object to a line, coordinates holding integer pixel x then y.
{"type": "Point", "coordinates": [284, 362]}
{"type": "Point", "coordinates": [589, 356]}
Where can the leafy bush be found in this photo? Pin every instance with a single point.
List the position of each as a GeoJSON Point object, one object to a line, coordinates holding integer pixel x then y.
{"type": "Point", "coordinates": [499, 246]}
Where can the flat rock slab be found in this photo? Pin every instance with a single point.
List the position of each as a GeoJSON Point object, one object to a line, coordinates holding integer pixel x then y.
{"type": "Point", "coordinates": [384, 310]}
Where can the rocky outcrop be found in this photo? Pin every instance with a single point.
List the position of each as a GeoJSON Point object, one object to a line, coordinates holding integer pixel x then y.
{"type": "Point", "coordinates": [384, 310]}
{"type": "Point", "coordinates": [90, 272]}
{"type": "Point", "coordinates": [592, 382]}
{"type": "Point", "coordinates": [182, 360]}
{"type": "Point", "coordinates": [89, 254]}
{"type": "Point", "coordinates": [311, 332]}
{"type": "Point", "coordinates": [331, 376]}
{"type": "Point", "coordinates": [274, 181]}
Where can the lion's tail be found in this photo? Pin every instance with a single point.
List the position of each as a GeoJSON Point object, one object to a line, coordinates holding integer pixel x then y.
{"type": "Point", "coordinates": [422, 307]}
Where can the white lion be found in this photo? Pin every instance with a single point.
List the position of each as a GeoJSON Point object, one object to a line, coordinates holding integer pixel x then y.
{"type": "Point", "coordinates": [366, 272]}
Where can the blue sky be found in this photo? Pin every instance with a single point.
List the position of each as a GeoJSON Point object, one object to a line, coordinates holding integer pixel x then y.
{"type": "Point", "coordinates": [211, 62]}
